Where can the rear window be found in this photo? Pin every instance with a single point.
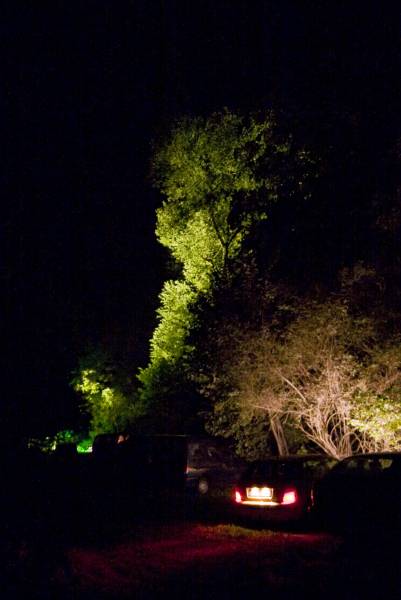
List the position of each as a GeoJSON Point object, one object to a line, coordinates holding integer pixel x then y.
{"type": "Point", "coordinates": [206, 454]}
{"type": "Point", "coordinates": [274, 469]}
{"type": "Point", "coordinates": [277, 469]}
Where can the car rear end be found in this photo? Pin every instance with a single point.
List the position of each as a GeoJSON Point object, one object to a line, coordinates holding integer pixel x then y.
{"type": "Point", "coordinates": [273, 490]}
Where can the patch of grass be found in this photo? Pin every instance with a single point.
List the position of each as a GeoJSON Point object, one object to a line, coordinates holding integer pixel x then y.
{"type": "Point", "coordinates": [237, 531]}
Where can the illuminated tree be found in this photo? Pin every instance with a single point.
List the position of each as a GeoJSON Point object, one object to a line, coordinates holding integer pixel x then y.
{"type": "Point", "coordinates": [218, 177]}
{"type": "Point", "coordinates": [229, 360]}
{"type": "Point", "coordinates": [328, 374]}
{"type": "Point", "coordinates": [377, 408]}
{"type": "Point", "coordinates": [207, 173]}
{"type": "Point", "coordinates": [108, 403]}
{"type": "Point", "coordinates": [317, 373]}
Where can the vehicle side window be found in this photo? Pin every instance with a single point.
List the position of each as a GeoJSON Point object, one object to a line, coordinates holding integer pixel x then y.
{"type": "Point", "coordinates": [346, 466]}
{"type": "Point", "coordinates": [378, 465]}
{"type": "Point", "coordinates": [368, 465]}
{"type": "Point", "coordinates": [315, 468]}
{"type": "Point", "coordinates": [386, 463]}
{"type": "Point", "coordinates": [208, 455]}
{"type": "Point", "coordinates": [374, 464]}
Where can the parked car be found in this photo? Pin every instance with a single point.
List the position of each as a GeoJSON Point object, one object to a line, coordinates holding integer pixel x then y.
{"type": "Point", "coordinates": [280, 488]}
{"type": "Point", "coordinates": [212, 466]}
{"type": "Point", "coordinates": [360, 492]}
{"type": "Point", "coordinates": [128, 466]}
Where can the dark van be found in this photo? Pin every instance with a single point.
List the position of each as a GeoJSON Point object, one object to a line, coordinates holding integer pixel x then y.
{"type": "Point", "coordinates": [143, 463]}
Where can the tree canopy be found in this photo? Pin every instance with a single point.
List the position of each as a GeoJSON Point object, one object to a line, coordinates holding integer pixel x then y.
{"type": "Point", "coordinates": [270, 329]}
{"type": "Point", "coordinates": [218, 177]}
{"type": "Point", "coordinates": [329, 374]}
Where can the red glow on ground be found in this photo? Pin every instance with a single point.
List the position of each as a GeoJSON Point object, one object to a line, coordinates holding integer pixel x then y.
{"type": "Point", "coordinates": [186, 554]}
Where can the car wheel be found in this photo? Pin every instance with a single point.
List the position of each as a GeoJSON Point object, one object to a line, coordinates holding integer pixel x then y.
{"type": "Point", "coordinates": [203, 486]}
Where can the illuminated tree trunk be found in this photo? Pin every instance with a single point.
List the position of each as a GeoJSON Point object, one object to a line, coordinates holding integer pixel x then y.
{"type": "Point", "coordinates": [277, 430]}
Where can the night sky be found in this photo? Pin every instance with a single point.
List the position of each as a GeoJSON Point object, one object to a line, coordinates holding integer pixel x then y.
{"type": "Point", "coordinates": [87, 85]}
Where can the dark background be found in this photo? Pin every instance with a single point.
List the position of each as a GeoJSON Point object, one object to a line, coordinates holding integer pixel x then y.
{"type": "Point", "coordinates": [86, 87]}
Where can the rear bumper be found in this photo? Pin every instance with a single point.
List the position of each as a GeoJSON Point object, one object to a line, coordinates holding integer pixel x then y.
{"type": "Point", "coordinates": [269, 512]}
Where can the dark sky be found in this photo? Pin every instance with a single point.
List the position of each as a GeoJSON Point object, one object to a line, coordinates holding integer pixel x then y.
{"type": "Point", "coordinates": [86, 87]}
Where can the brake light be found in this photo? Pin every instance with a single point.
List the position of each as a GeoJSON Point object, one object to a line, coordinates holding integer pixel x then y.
{"type": "Point", "coordinates": [238, 497]}
{"type": "Point", "coordinates": [289, 497]}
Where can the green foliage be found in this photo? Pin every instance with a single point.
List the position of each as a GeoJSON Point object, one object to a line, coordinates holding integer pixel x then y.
{"type": "Point", "coordinates": [379, 417]}
{"type": "Point", "coordinates": [84, 445]}
{"type": "Point", "coordinates": [165, 381]}
{"type": "Point", "coordinates": [108, 405]}
{"type": "Point", "coordinates": [205, 174]}
{"type": "Point", "coordinates": [50, 442]}
{"type": "Point", "coordinates": [218, 176]}
{"type": "Point", "coordinates": [175, 319]}
{"type": "Point", "coordinates": [377, 408]}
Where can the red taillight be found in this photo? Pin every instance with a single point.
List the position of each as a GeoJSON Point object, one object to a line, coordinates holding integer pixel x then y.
{"type": "Point", "coordinates": [289, 497]}
{"type": "Point", "coordinates": [238, 497]}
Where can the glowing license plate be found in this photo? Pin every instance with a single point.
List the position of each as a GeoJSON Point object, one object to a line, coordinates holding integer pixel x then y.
{"type": "Point", "coordinates": [259, 493]}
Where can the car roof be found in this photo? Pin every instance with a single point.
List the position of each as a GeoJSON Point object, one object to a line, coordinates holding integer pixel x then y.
{"type": "Point", "coordinates": [293, 458]}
